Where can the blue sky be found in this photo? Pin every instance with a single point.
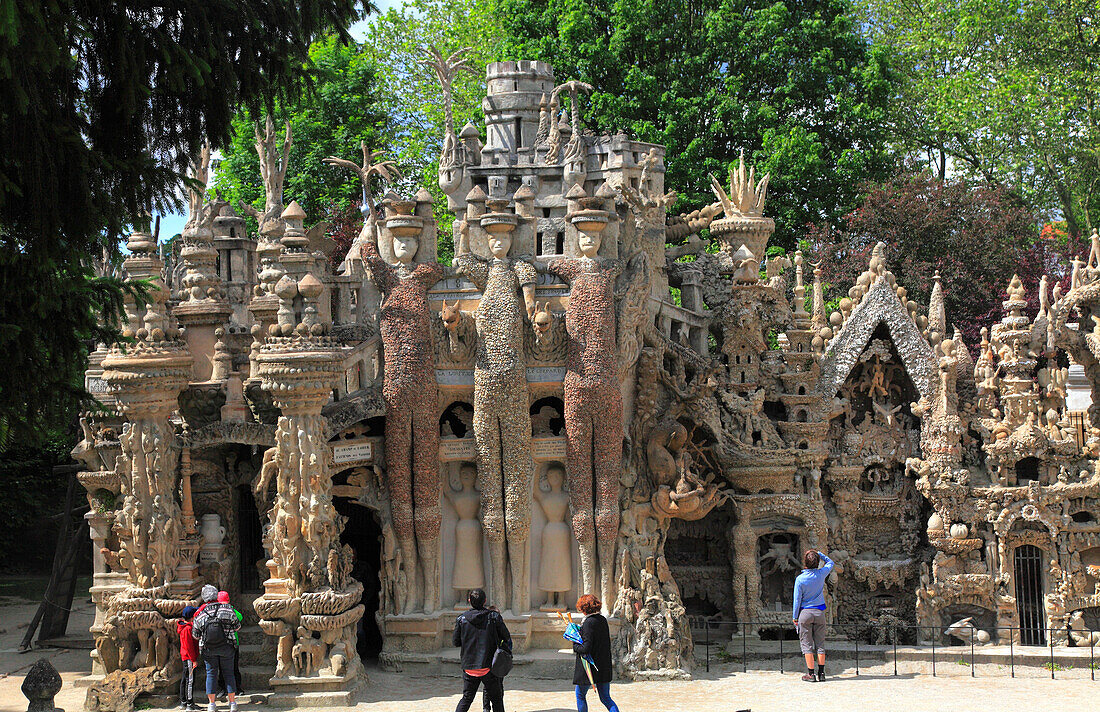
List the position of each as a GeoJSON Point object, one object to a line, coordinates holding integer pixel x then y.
{"type": "Point", "coordinates": [172, 223]}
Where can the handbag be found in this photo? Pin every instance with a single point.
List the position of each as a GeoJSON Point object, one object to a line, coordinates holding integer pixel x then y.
{"type": "Point", "coordinates": [502, 663]}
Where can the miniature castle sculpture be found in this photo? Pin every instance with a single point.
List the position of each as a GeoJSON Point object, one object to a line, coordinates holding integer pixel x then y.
{"type": "Point", "coordinates": [368, 443]}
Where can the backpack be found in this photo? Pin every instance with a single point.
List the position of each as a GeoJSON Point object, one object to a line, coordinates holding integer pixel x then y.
{"type": "Point", "coordinates": [213, 631]}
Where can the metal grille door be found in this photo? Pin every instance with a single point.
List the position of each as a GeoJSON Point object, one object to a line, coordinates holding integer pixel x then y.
{"type": "Point", "coordinates": [252, 544]}
{"type": "Point", "coordinates": [1029, 594]}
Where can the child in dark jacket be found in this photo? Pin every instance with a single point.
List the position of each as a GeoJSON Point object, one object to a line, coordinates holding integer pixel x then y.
{"type": "Point", "coordinates": [189, 653]}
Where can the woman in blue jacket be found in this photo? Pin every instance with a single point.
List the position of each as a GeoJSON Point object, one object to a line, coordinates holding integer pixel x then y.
{"type": "Point", "coordinates": [809, 611]}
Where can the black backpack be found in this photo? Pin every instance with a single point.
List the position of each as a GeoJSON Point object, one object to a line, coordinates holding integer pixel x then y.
{"type": "Point", "coordinates": [213, 633]}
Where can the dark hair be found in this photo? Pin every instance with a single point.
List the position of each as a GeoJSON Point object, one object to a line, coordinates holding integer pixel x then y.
{"type": "Point", "coordinates": [588, 604]}
{"type": "Point", "coordinates": [810, 559]}
{"type": "Point", "coordinates": [476, 597]}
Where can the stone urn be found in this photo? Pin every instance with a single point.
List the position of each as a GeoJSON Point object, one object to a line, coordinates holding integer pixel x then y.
{"type": "Point", "coordinates": [213, 533]}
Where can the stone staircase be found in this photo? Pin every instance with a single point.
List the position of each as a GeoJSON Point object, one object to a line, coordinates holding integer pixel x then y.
{"type": "Point", "coordinates": [257, 660]}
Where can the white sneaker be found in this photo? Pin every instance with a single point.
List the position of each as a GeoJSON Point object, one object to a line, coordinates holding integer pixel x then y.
{"type": "Point", "coordinates": [212, 707]}
{"type": "Point", "coordinates": [232, 707]}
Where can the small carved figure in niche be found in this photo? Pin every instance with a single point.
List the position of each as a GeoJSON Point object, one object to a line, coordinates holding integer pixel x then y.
{"type": "Point", "coordinates": [556, 560]}
{"type": "Point", "coordinates": [1079, 632]}
{"type": "Point", "coordinates": [547, 422]}
{"type": "Point", "coordinates": [778, 565]}
{"type": "Point", "coordinates": [967, 632]}
{"type": "Point", "coordinates": [309, 652]}
{"type": "Point", "coordinates": [502, 422]}
{"type": "Point", "coordinates": [666, 453]}
{"type": "Point", "coordinates": [410, 392]}
{"type": "Point", "coordinates": [468, 572]}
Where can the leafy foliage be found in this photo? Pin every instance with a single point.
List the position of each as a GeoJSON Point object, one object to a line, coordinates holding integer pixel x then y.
{"type": "Point", "coordinates": [1005, 91]}
{"type": "Point", "coordinates": [101, 103]}
{"type": "Point", "coordinates": [377, 91]}
{"type": "Point", "coordinates": [975, 235]}
{"type": "Point", "coordinates": [341, 112]}
{"type": "Point", "coordinates": [791, 83]}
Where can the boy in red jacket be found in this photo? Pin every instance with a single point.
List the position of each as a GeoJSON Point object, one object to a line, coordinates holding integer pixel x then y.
{"type": "Point", "coordinates": [189, 652]}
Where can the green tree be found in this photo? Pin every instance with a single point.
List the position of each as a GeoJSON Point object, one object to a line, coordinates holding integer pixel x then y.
{"type": "Point", "coordinates": [388, 98]}
{"type": "Point", "coordinates": [975, 235]}
{"type": "Point", "coordinates": [1005, 91]}
{"type": "Point", "coordinates": [100, 103]}
{"type": "Point", "coordinates": [342, 111]}
{"type": "Point", "coordinates": [792, 83]}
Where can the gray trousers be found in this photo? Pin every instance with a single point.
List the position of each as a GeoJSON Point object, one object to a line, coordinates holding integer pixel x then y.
{"type": "Point", "coordinates": [811, 630]}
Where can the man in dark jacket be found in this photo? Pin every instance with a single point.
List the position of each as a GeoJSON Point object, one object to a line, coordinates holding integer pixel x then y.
{"type": "Point", "coordinates": [480, 632]}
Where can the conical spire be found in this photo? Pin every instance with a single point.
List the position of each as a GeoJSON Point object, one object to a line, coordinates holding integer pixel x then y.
{"type": "Point", "coordinates": [937, 313]}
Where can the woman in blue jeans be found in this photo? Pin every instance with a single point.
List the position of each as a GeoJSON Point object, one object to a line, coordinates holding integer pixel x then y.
{"type": "Point", "coordinates": [596, 645]}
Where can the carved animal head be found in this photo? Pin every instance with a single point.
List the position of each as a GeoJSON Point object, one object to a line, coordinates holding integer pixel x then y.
{"type": "Point", "coordinates": [449, 314]}
{"type": "Point", "coordinates": [542, 318]}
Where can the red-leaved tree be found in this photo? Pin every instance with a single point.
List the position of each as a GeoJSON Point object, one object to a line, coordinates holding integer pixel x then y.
{"type": "Point", "coordinates": [975, 235]}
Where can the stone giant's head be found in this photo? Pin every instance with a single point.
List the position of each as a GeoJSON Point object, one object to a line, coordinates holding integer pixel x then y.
{"type": "Point", "coordinates": [500, 243]}
{"type": "Point", "coordinates": [589, 243]}
{"type": "Point", "coordinates": [404, 249]}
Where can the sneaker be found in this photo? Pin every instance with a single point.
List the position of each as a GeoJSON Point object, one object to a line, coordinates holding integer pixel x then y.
{"type": "Point", "coordinates": [192, 707]}
{"type": "Point", "coordinates": [232, 707]}
{"type": "Point", "coordinates": [212, 707]}
{"type": "Point", "coordinates": [821, 677]}
{"type": "Point", "coordinates": [806, 677]}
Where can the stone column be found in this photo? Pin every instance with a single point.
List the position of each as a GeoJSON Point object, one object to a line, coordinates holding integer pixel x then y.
{"type": "Point", "coordinates": [310, 601]}
{"type": "Point", "coordinates": [146, 379]}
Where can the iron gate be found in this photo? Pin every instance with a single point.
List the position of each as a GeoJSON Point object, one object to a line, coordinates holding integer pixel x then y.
{"type": "Point", "coordinates": [1029, 594]}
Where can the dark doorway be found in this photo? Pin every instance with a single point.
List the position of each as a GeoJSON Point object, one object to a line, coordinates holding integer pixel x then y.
{"type": "Point", "coordinates": [1027, 470]}
{"type": "Point", "coordinates": [1029, 594]}
{"type": "Point", "coordinates": [252, 554]}
{"type": "Point", "coordinates": [364, 535]}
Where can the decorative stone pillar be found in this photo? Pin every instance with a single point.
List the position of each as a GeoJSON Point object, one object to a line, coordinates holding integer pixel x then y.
{"type": "Point", "coordinates": [310, 601]}
{"type": "Point", "coordinates": [203, 307]}
{"type": "Point", "coordinates": [146, 379]}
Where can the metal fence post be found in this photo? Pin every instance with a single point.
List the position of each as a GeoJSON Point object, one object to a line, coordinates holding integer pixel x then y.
{"type": "Point", "coordinates": [781, 634]}
{"type": "Point", "coordinates": [933, 636]}
{"type": "Point", "coordinates": [744, 647]}
{"type": "Point", "coordinates": [706, 623]}
{"type": "Point", "coordinates": [857, 653]}
{"type": "Point", "coordinates": [1012, 651]}
{"type": "Point", "coordinates": [894, 635]}
{"type": "Point", "coordinates": [1050, 639]}
{"type": "Point", "coordinates": [1092, 665]}
{"type": "Point", "coordinates": [971, 656]}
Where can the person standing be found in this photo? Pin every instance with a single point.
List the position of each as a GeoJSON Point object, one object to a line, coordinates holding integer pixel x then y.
{"type": "Point", "coordinates": [223, 597]}
{"type": "Point", "coordinates": [809, 611]}
{"type": "Point", "coordinates": [213, 628]}
{"type": "Point", "coordinates": [189, 654]}
{"type": "Point", "coordinates": [597, 646]}
{"type": "Point", "coordinates": [480, 631]}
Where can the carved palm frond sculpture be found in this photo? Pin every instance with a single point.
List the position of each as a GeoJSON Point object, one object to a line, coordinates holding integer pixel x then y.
{"type": "Point", "coordinates": [386, 170]}
{"type": "Point", "coordinates": [746, 197]}
{"type": "Point", "coordinates": [445, 69]}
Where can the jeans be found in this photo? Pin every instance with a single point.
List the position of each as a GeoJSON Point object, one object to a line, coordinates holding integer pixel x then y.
{"type": "Point", "coordinates": [187, 682]}
{"type": "Point", "coordinates": [494, 692]}
{"type": "Point", "coordinates": [603, 689]}
{"type": "Point", "coordinates": [224, 665]}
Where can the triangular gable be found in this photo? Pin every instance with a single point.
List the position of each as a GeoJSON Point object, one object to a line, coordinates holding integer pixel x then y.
{"type": "Point", "coordinates": [879, 306]}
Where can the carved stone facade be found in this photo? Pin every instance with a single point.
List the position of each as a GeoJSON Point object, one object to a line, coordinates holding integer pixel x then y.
{"type": "Point", "coordinates": [349, 453]}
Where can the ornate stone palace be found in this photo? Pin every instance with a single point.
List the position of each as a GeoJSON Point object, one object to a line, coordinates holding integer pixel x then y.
{"type": "Point", "coordinates": [573, 406]}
